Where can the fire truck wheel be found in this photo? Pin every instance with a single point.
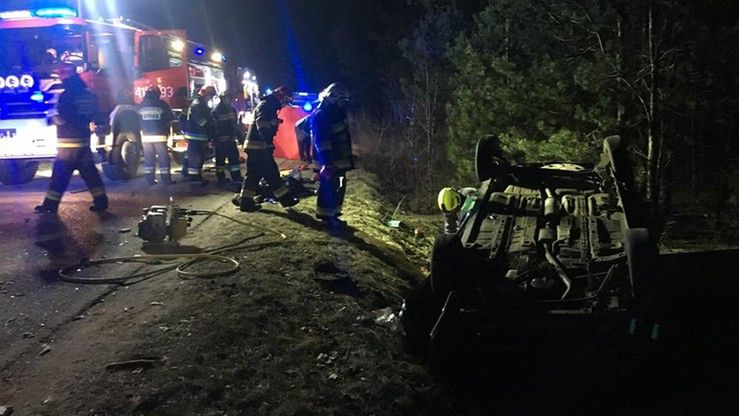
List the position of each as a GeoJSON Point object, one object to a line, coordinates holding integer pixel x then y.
{"type": "Point", "coordinates": [17, 171]}
{"type": "Point", "coordinates": [124, 158]}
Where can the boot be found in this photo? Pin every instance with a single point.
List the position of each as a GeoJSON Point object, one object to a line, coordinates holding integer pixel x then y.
{"type": "Point", "coordinates": [288, 201]}
{"type": "Point", "coordinates": [47, 206]}
{"type": "Point", "coordinates": [247, 204]}
{"type": "Point", "coordinates": [99, 204]}
{"type": "Point", "coordinates": [150, 180]}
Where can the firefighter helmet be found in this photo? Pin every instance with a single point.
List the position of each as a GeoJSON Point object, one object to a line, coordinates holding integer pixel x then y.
{"type": "Point", "coordinates": [153, 92]}
{"type": "Point", "coordinates": [208, 90]}
{"type": "Point", "coordinates": [284, 94]}
{"type": "Point", "coordinates": [449, 200]}
{"type": "Point", "coordinates": [334, 93]}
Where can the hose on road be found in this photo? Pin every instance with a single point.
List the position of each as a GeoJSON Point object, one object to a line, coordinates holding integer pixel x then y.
{"type": "Point", "coordinates": [180, 262]}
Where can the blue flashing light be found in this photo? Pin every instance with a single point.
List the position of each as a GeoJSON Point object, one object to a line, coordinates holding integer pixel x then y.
{"type": "Point", "coordinates": [308, 106]}
{"type": "Point", "coordinates": [58, 12]}
{"type": "Point", "coordinates": [268, 91]}
{"type": "Point", "coordinates": [38, 96]}
{"type": "Point", "coordinates": [199, 51]}
{"type": "Point", "coordinates": [223, 58]}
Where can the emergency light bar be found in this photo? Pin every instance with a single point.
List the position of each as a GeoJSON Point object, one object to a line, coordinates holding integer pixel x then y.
{"type": "Point", "coordinates": [48, 12]}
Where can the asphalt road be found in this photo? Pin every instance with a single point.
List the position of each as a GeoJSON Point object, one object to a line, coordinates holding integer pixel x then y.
{"type": "Point", "coordinates": [33, 247]}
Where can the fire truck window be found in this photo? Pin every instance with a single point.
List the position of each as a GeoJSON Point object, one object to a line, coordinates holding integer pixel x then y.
{"type": "Point", "coordinates": [155, 54]}
{"type": "Point", "coordinates": [30, 49]}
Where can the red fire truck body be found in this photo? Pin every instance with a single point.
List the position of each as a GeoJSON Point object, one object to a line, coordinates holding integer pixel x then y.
{"type": "Point", "coordinates": [116, 59]}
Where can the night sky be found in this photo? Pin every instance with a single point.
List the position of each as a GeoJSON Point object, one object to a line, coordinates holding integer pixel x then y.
{"type": "Point", "coordinates": [284, 41]}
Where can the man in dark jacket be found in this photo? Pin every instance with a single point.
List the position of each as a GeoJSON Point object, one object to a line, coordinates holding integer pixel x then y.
{"type": "Point", "coordinates": [333, 152]}
{"type": "Point", "coordinates": [226, 134]}
{"type": "Point", "coordinates": [198, 122]}
{"type": "Point", "coordinates": [75, 110]}
{"type": "Point", "coordinates": [260, 162]}
{"type": "Point", "coordinates": [156, 119]}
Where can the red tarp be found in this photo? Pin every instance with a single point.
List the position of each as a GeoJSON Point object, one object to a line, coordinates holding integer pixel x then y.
{"type": "Point", "coordinates": [286, 144]}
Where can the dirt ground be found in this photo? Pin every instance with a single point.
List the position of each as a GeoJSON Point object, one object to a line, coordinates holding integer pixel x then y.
{"type": "Point", "coordinates": [302, 328]}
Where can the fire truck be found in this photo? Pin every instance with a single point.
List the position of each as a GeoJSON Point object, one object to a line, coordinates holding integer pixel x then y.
{"type": "Point", "coordinates": [117, 59]}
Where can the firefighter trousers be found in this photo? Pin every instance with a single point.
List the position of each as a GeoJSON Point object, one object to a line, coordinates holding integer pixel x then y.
{"type": "Point", "coordinates": [331, 192]}
{"type": "Point", "coordinates": [153, 152]}
{"type": "Point", "coordinates": [260, 164]}
{"type": "Point", "coordinates": [67, 161]}
{"type": "Point", "coordinates": [197, 151]}
{"type": "Point", "coordinates": [226, 148]}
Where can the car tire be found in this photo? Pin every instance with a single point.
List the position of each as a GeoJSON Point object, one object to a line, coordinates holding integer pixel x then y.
{"type": "Point", "coordinates": [615, 148]}
{"type": "Point", "coordinates": [489, 161]}
{"type": "Point", "coordinates": [447, 257]}
{"type": "Point", "coordinates": [17, 171]}
{"type": "Point", "coordinates": [124, 158]}
{"type": "Point", "coordinates": [642, 256]}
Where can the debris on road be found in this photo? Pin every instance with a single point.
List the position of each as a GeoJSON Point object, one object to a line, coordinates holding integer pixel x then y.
{"type": "Point", "coordinates": [138, 365]}
{"type": "Point", "coordinates": [6, 410]}
{"type": "Point", "coordinates": [124, 230]}
{"type": "Point", "coordinates": [45, 349]}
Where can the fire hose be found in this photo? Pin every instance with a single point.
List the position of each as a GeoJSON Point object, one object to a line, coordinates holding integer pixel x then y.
{"type": "Point", "coordinates": [181, 262]}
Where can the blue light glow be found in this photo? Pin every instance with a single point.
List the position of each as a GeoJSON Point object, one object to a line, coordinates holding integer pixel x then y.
{"type": "Point", "coordinates": [308, 107]}
{"type": "Point", "coordinates": [268, 91]}
{"type": "Point", "coordinates": [38, 96]}
{"type": "Point", "coordinates": [55, 12]}
{"type": "Point", "coordinates": [199, 51]}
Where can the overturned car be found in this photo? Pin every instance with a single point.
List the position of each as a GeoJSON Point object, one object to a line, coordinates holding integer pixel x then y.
{"type": "Point", "coordinates": [537, 248]}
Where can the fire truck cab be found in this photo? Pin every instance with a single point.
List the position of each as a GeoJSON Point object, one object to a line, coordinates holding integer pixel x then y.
{"type": "Point", "coordinates": [117, 59]}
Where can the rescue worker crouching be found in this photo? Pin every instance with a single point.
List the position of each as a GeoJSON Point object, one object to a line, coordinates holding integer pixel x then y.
{"type": "Point", "coordinates": [260, 162]}
{"type": "Point", "coordinates": [198, 122]}
{"type": "Point", "coordinates": [226, 135]}
{"type": "Point", "coordinates": [75, 110]}
{"type": "Point", "coordinates": [333, 152]}
{"type": "Point", "coordinates": [156, 118]}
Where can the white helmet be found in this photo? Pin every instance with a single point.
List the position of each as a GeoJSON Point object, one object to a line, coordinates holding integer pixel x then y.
{"type": "Point", "coordinates": [334, 93]}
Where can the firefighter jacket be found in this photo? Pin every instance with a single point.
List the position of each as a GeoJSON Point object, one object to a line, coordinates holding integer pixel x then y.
{"type": "Point", "coordinates": [226, 126]}
{"type": "Point", "coordinates": [75, 110]}
{"type": "Point", "coordinates": [198, 120]}
{"type": "Point", "coordinates": [156, 117]}
{"type": "Point", "coordinates": [262, 132]}
{"type": "Point", "coordinates": [331, 140]}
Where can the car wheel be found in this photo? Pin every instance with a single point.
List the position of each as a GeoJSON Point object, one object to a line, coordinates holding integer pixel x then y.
{"type": "Point", "coordinates": [418, 314]}
{"type": "Point", "coordinates": [17, 171]}
{"type": "Point", "coordinates": [124, 158]}
{"type": "Point", "coordinates": [615, 149]}
{"type": "Point", "coordinates": [642, 256]}
{"type": "Point", "coordinates": [447, 258]}
{"type": "Point", "coordinates": [489, 161]}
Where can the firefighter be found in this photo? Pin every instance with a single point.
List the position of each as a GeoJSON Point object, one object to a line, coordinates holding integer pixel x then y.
{"type": "Point", "coordinates": [302, 133]}
{"type": "Point", "coordinates": [74, 112]}
{"type": "Point", "coordinates": [226, 135]}
{"type": "Point", "coordinates": [198, 122]}
{"type": "Point", "coordinates": [333, 152]}
{"type": "Point", "coordinates": [156, 118]}
{"type": "Point", "coordinates": [260, 162]}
